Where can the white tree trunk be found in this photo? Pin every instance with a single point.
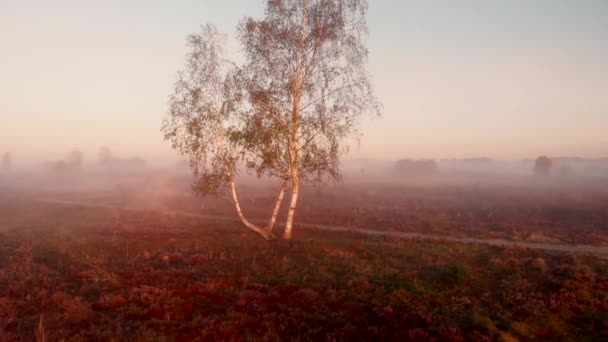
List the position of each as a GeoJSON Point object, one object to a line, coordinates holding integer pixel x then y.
{"type": "Point", "coordinates": [287, 235]}
{"type": "Point", "coordinates": [294, 148]}
{"type": "Point", "coordinates": [263, 232]}
{"type": "Point", "coordinates": [277, 207]}
{"type": "Point", "coordinates": [294, 169]}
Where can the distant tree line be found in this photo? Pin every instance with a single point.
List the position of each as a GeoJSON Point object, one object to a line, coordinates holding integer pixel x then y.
{"type": "Point", "coordinates": [543, 165]}
{"type": "Point", "coordinates": [416, 167]}
{"type": "Point", "coordinates": [108, 160]}
{"type": "Point", "coordinates": [73, 163]}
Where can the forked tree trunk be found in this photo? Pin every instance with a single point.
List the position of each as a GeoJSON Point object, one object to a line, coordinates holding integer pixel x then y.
{"type": "Point", "coordinates": [265, 233]}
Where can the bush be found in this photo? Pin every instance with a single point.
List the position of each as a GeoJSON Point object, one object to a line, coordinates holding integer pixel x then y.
{"type": "Point", "coordinates": [543, 165]}
{"type": "Point", "coordinates": [416, 167]}
{"type": "Point", "coordinates": [450, 276]}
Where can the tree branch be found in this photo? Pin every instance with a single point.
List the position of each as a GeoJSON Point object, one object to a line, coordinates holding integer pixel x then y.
{"type": "Point", "coordinates": [328, 94]}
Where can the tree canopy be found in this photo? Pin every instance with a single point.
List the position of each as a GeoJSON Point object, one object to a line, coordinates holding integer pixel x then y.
{"type": "Point", "coordinates": [287, 111]}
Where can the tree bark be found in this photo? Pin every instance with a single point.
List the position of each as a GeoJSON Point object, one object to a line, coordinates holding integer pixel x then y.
{"type": "Point", "coordinates": [294, 148]}
{"type": "Point", "coordinates": [277, 207]}
{"type": "Point", "coordinates": [294, 166]}
{"type": "Point", "coordinates": [287, 235]}
{"type": "Point", "coordinates": [294, 169]}
{"type": "Point", "coordinates": [263, 232]}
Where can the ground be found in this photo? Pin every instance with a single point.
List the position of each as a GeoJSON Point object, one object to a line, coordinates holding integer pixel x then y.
{"type": "Point", "coordinates": [85, 274]}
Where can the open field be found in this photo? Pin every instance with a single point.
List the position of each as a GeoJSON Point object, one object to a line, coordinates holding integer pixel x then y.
{"type": "Point", "coordinates": [517, 211]}
{"type": "Point", "coordinates": [95, 273]}
{"type": "Point", "coordinates": [515, 214]}
{"type": "Point", "coordinates": [304, 170]}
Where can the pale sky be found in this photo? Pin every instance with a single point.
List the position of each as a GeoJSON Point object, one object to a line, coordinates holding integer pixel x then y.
{"type": "Point", "coordinates": [504, 79]}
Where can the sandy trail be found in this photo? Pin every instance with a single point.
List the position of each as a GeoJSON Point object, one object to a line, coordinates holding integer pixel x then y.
{"type": "Point", "coordinates": [555, 247]}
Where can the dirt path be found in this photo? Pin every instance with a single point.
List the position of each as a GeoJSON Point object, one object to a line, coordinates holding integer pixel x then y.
{"type": "Point", "coordinates": [556, 247]}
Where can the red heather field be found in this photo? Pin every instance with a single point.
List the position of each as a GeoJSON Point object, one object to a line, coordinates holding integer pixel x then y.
{"type": "Point", "coordinates": [554, 214]}
{"type": "Point", "coordinates": [125, 265]}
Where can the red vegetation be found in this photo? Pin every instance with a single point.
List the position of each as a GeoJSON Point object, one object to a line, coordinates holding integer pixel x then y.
{"type": "Point", "coordinates": [520, 214]}
{"type": "Point", "coordinates": [150, 277]}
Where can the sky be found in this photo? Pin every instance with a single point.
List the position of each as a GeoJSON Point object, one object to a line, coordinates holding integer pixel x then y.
{"type": "Point", "coordinates": [505, 79]}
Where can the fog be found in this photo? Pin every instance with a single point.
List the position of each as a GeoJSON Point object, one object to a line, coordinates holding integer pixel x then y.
{"type": "Point", "coordinates": [278, 170]}
{"type": "Point", "coordinates": [110, 170]}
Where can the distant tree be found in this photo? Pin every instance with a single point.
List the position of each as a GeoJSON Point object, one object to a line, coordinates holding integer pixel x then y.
{"type": "Point", "coordinates": [287, 111]}
{"type": "Point", "coordinates": [105, 156]}
{"type": "Point", "coordinates": [75, 160]}
{"type": "Point", "coordinates": [543, 165]}
{"type": "Point", "coordinates": [73, 163]}
{"type": "Point", "coordinates": [6, 161]}
{"type": "Point", "coordinates": [58, 166]}
{"type": "Point", "coordinates": [108, 160]}
{"type": "Point", "coordinates": [479, 160]}
{"type": "Point", "coordinates": [416, 167]}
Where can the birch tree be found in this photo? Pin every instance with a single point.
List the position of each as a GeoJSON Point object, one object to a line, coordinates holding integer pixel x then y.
{"type": "Point", "coordinates": [307, 83]}
{"type": "Point", "coordinates": [205, 124]}
{"type": "Point", "coordinates": [288, 112]}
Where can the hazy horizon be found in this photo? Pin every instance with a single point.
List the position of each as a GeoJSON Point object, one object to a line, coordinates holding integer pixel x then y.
{"type": "Point", "coordinates": [506, 80]}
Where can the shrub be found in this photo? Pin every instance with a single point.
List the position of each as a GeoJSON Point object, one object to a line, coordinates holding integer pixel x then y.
{"type": "Point", "coordinates": [416, 167]}
{"type": "Point", "coordinates": [543, 165]}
